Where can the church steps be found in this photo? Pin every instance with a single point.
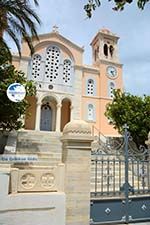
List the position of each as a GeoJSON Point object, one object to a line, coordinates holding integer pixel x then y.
{"type": "Point", "coordinates": [38, 134]}
{"type": "Point", "coordinates": [45, 145]}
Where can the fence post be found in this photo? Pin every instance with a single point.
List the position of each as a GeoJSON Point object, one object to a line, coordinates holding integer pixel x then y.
{"type": "Point", "coordinates": [76, 155]}
{"type": "Point", "coordinates": [126, 190]}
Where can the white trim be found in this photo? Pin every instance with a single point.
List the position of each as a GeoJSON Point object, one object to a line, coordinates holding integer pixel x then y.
{"type": "Point", "coordinates": [44, 95]}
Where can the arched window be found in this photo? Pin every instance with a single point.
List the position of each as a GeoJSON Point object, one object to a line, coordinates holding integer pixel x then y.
{"type": "Point", "coordinates": [36, 64]}
{"type": "Point", "coordinates": [105, 50]}
{"type": "Point", "coordinates": [111, 50]}
{"type": "Point", "coordinates": [90, 87]}
{"type": "Point", "coordinates": [111, 88]}
{"type": "Point", "coordinates": [67, 71]}
{"type": "Point", "coordinates": [90, 113]}
{"type": "Point", "coordinates": [52, 63]}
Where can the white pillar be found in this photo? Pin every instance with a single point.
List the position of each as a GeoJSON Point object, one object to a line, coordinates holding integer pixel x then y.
{"type": "Point", "coordinates": [38, 116]}
{"type": "Point", "coordinates": [71, 112]}
{"type": "Point", "coordinates": [58, 117]}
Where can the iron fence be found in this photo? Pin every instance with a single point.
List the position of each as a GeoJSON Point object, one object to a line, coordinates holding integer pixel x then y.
{"type": "Point", "coordinates": [108, 176]}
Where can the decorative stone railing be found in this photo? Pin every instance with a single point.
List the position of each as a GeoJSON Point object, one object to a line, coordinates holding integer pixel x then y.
{"type": "Point", "coordinates": [49, 179]}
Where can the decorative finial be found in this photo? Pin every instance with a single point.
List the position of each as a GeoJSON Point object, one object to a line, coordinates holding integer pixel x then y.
{"type": "Point", "coordinates": [55, 29]}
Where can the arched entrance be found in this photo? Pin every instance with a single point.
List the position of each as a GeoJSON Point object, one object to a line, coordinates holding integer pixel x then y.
{"type": "Point", "coordinates": [65, 112]}
{"type": "Point", "coordinates": [48, 114]}
{"type": "Point", "coordinates": [46, 118]}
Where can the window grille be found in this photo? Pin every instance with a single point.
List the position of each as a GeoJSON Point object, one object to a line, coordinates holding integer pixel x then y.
{"type": "Point", "coordinates": [67, 71]}
{"type": "Point", "coordinates": [36, 64]}
{"type": "Point", "coordinates": [90, 87]}
{"type": "Point", "coordinates": [52, 63]}
{"type": "Point", "coordinates": [111, 88]}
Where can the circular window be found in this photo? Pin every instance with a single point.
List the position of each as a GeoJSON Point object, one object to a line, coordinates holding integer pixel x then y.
{"type": "Point", "coordinates": [50, 86]}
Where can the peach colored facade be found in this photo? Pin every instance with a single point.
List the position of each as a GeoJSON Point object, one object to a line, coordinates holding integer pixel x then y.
{"type": "Point", "coordinates": [66, 88]}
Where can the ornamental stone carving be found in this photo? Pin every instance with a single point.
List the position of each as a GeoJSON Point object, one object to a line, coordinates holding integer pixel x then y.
{"type": "Point", "coordinates": [77, 127]}
{"type": "Point", "coordinates": [28, 181]}
{"type": "Point", "coordinates": [38, 179]}
{"type": "Point", "coordinates": [47, 180]}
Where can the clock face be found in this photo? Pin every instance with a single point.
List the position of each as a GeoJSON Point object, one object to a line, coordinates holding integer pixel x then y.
{"type": "Point", "coordinates": [111, 71]}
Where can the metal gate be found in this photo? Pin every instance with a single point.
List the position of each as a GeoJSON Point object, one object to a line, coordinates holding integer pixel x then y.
{"type": "Point", "coordinates": [120, 184]}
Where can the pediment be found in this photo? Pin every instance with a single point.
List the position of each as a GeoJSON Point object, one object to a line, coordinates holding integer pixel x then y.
{"type": "Point", "coordinates": [59, 37]}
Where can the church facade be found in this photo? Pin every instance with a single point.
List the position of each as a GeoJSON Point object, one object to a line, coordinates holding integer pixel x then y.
{"type": "Point", "coordinates": [66, 88]}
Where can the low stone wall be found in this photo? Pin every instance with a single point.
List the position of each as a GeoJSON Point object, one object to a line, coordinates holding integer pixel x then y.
{"type": "Point", "coordinates": [30, 208]}
{"type": "Point", "coordinates": [37, 180]}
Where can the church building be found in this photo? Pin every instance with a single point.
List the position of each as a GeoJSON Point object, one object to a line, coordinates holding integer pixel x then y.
{"type": "Point", "coordinates": [66, 88]}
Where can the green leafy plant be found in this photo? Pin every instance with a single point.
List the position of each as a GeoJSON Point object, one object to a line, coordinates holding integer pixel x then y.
{"type": "Point", "coordinates": [118, 5]}
{"type": "Point", "coordinates": [10, 112]}
{"type": "Point", "coordinates": [133, 111]}
{"type": "Point", "coordinates": [18, 20]}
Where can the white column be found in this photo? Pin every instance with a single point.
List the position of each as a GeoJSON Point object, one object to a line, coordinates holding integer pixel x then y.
{"type": "Point", "coordinates": [58, 117]}
{"type": "Point", "coordinates": [71, 112]}
{"type": "Point", "coordinates": [38, 116]}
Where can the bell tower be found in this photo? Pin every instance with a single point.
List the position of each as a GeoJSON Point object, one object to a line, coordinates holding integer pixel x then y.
{"type": "Point", "coordinates": [106, 60]}
{"type": "Point", "coordinates": [105, 47]}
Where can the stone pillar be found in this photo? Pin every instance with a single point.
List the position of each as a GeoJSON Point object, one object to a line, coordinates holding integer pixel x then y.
{"type": "Point", "coordinates": [71, 112]}
{"type": "Point", "coordinates": [58, 117]}
{"type": "Point", "coordinates": [38, 116]}
{"type": "Point", "coordinates": [76, 141]}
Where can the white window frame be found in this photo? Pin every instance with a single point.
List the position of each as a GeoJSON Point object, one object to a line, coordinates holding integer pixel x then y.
{"type": "Point", "coordinates": [94, 86]}
{"type": "Point", "coordinates": [38, 78]}
{"type": "Point", "coordinates": [93, 118]}
{"type": "Point", "coordinates": [69, 82]}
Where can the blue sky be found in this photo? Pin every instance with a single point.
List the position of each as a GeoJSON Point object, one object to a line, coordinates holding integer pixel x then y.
{"type": "Point", "coordinates": [132, 25]}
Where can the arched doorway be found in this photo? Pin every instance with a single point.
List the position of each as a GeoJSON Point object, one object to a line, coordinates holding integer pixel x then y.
{"type": "Point", "coordinates": [48, 114]}
{"type": "Point", "coordinates": [65, 112]}
{"type": "Point", "coordinates": [46, 118]}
